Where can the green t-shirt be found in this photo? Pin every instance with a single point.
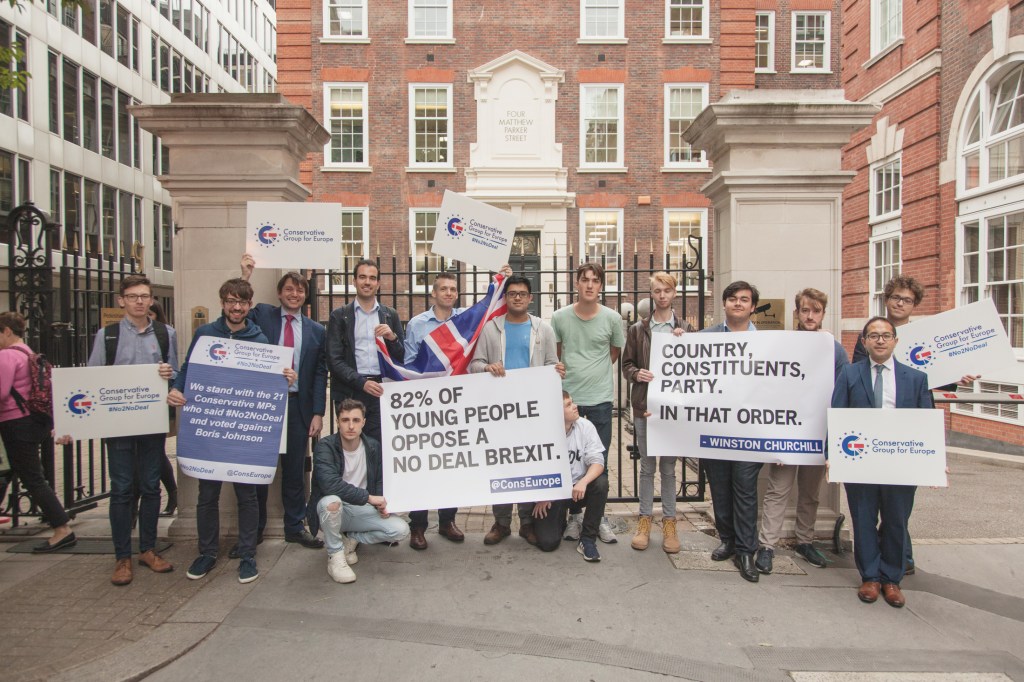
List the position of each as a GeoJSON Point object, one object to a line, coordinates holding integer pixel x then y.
{"type": "Point", "coordinates": [586, 348]}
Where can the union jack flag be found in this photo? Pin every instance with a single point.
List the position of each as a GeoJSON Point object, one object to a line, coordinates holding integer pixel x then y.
{"type": "Point", "coordinates": [448, 349]}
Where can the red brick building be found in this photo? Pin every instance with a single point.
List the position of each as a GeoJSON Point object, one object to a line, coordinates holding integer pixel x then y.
{"type": "Point", "coordinates": [939, 191]}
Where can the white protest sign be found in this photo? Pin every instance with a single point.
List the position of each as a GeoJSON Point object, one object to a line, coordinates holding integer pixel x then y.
{"type": "Point", "coordinates": [747, 396]}
{"type": "Point", "coordinates": [473, 232]}
{"type": "Point", "coordinates": [474, 439]}
{"type": "Point", "coordinates": [967, 340]}
{"type": "Point", "coordinates": [109, 401]}
{"type": "Point", "coordinates": [895, 447]}
{"type": "Point", "coordinates": [293, 235]}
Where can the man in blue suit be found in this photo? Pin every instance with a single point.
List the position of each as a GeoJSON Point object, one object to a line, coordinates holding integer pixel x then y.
{"type": "Point", "coordinates": [285, 325]}
{"type": "Point", "coordinates": [881, 382]}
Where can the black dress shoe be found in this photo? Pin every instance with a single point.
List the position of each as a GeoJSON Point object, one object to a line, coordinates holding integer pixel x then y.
{"type": "Point", "coordinates": [763, 563]}
{"type": "Point", "coordinates": [745, 562]}
{"type": "Point", "coordinates": [66, 541]}
{"type": "Point", "coordinates": [305, 539]}
{"type": "Point", "coordinates": [723, 551]}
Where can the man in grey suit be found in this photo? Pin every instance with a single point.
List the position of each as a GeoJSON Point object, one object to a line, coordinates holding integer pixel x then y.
{"type": "Point", "coordinates": [881, 382]}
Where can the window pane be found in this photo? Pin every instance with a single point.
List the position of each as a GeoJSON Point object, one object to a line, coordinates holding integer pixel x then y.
{"type": "Point", "coordinates": [107, 26]}
{"type": "Point", "coordinates": [601, 125]}
{"type": "Point", "coordinates": [425, 262]}
{"type": "Point", "coordinates": [602, 19]}
{"type": "Point", "coordinates": [683, 106]}
{"type": "Point", "coordinates": [345, 18]}
{"type": "Point", "coordinates": [90, 112]}
{"type": "Point", "coordinates": [431, 125]}
{"type": "Point", "coordinates": [109, 222]}
{"type": "Point", "coordinates": [809, 41]}
{"type": "Point", "coordinates": [601, 241]}
{"type": "Point", "coordinates": [54, 103]}
{"type": "Point", "coordinates": [686, 18]}
{"type": "Point", "coordinates": [6, 182]}
{"type": "Point", "coordinates": [107, 119]}
{"type": "Point", "coordinates": [762, 41]}
{"type": "Point", "coordinates": [346, 125]}
{"type": "Point", "coordinates": [71, 102]}
{"type": "Point", "coordinates": [430, 18]}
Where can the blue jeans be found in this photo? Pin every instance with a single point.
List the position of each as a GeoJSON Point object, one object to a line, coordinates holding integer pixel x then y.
{"type": "Point", "coordinates": [600, 416]}
{"type": "Point", "coordinates": [360, 521]}
{"type": "Point", "coordinates": [879, 515]}
{"type": "Point", "coordinates": [208, 517]}
{"type": "Point", "coordinates": [125, 457]}
{"type": "Point", "coordinates": [667, 465]}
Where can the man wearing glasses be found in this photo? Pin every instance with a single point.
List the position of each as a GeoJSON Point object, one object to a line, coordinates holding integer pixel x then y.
{"type": "Point", "coordinates": [515, 340]}
{"type": "Point", "coordinates": [135, 340]}
{"type": "Point", "coordinates": [235, 299]}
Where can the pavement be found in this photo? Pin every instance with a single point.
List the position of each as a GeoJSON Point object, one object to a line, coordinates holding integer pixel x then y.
{"type": "Point", "coordinates": [467, 611]}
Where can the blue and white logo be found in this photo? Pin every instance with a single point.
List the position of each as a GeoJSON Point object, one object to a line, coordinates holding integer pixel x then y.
{"type": "Point", "coordinates": [920, 354]}
{"type": "Point", "coordinates": [79, 404]}
{"type": "Point", "coordinates": [218, 352]}
{"type": "Point", "coordinates": [853, 445]}
{"type": "Point", "coordinates": [454, 226]}
{"type": "Point", "coordinates": [267, 235]}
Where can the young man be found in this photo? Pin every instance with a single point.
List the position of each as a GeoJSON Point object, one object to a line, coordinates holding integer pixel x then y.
{"type": "Point", "coordinates": [352, 345]}
{"type": "Point", "coordinates": [879, 381]}
{"type": "Point", "coordinates": [589, 487]}
{"type": "Point", "coordinates": [515, 340]}
{"type": "Point", "coordinates": [235, 300]}
{"type": "Point", "coordinates": [285, 325]}
{"type": "Point", "coordinates": [347, 493]}
{"type": "Point", "coordinates": [136, 340]}
{"type": "Point", "coordinates": [810, 311]}
{"type": "Point", "coordinates": [590, 338]}
{"type": "Point", "coordinates": [636, 369]}
{"type": "Point", "coordinates": [734, 483]}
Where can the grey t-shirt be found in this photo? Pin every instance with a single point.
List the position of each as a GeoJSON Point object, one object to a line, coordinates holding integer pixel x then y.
{"type": "Point", "coordinates": [585, 448]}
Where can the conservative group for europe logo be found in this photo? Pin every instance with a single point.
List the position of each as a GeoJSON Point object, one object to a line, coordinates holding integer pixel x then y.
{"type": "Point", "coordinates": [218, 351]}
{"type": "Point", "coordinates": [267, 235]}
{"type": "Point", "coordinates": [853, 445]}
{"type": "Point", "coordinates": [454, 226]}
{"type": "Point", "coordinates": [79, 403]}
{"type": "Point", "coordinates": [920, 354]}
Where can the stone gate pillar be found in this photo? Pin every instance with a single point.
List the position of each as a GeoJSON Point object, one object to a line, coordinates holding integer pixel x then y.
{"type": "Point", "coordinates": [225, 150]}
{"type": "Point", "coordinates": [776, 189]}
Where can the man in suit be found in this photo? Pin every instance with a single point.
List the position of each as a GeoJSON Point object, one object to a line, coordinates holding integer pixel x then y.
{"type": "Point", "coordinates": [285, 325]}
{"type": "Point", "coordinates": [881, 382]}
{"type": "Point", "coordinates": [734, 483]}
{"type": "Point", "coordinates": [352, 345]}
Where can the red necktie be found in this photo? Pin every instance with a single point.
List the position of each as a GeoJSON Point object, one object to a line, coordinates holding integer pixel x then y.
{"type": "Point", "coordinates": [289, 335]}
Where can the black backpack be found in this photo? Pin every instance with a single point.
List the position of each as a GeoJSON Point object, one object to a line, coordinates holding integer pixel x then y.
{"type": "Point", "coordinates": [112, 333]}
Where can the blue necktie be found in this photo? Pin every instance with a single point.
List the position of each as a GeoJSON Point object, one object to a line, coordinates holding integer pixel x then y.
{"type": "Point", "coordinates": [878, 385]}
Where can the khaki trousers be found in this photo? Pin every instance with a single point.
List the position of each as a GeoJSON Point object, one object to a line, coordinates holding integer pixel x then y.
{"type": "Point", "coordinates": [776, 495]}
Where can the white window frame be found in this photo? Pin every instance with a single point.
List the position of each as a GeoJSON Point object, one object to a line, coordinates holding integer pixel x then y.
{"type": "Point", "coordinates": [361, 37]}
{"type": "Point", "coordinates": [875, 190]}
{"type": "Point", "coordinates": [424, 284]}
{"type": "Point", "coordinates": [878, 21]}
{"type": "Point", "coordinates": [619, 164]}
{"type": "Point", "coordinates": [992, 412]}
{"type": "Point", "coordinates": [890, 231]}
{"type": "Point", "coordinates": [666, 244]}
{"type": "Point", "coordinates": [618, 37]}
{"type": "Point", "coordinates": [419, 166]}
{"type": "Point", "coordinates": [363, 165]}
{"type": "Point", "coordinates": [413, 37]}
{"type": "Point", "coordinates": [827, 55]}
{"type": "Point", "coordinates": [341, 279]}
{"type": "Point", "coordinates": [610, 283]}
{"type": "Point", "coordinates": [770, 68]}
{"type": "Point", "coordinates": [705, 21]}
{"type": "Point", "coordinates": [669, 163]}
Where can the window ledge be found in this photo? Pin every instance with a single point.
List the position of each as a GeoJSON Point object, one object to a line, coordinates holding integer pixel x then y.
{"type": "Point", "coordinates": [346, 169]}
{"type": "Point", "coordinates": [602, 41]}
{"type": "Point", "coordinates": [881, 55]}
{"type": "Point", "coordinates": [797, 71]}
{"type": "Point", "coordinates": [430, 41]}
{"type": "Point", "coordinates": [431, 169]}
{"type": "Point", "coordinates": [686, 169]}
{"type": "Point", "coordinates": [605, 169]}
{"type": "Point", "coordinates": [338, 40]}
{"type": "Point", "coordinates": [686, 41]}
{"type": "Point", "coordinates": [765, 71]}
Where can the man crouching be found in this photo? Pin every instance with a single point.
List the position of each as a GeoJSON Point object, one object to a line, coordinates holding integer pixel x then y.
{"type": "Point", "coordinates": [347, 493]}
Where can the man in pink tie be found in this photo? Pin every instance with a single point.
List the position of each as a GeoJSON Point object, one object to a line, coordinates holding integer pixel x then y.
{"type": "Point", "coordinates": [285, 325]}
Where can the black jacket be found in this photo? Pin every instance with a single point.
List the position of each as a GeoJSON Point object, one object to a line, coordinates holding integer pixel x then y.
{"type": "Point", "coordinates": [328, 472]}
{"type": "Point", "coordinates": [341, 348]}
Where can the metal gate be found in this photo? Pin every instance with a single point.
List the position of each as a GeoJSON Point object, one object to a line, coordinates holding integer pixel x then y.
{"type": "Point", "coordinates": [405, 286]}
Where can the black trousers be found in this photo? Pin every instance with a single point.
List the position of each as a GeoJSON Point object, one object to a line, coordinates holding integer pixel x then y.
{"type": "Point", "coordinates": [734, 499]}
{"type": "Point", "coordinates": [549, 529]}
{"type": "Point", "coordinates": [22, 438]}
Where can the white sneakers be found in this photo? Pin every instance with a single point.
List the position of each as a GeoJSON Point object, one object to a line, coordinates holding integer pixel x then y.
{"type": "Point", "coordinates": [350, 549]}
{"type": "Point", "coordinates": [338, 568]}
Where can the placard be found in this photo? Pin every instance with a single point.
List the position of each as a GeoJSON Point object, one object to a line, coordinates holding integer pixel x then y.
{"type": "Point", "coordinates": [949, 345]}
{"type": "Point", "coordinates": [474, 439]}
{"type": "Point", "coordinates": [233, 419]}
{"type": "Point", "coordinates": [747, 396]}
{"type": "Point", "coordinates": [473, 232]}
{"type": "Point", "coordinates": [293, 235]}
{"type": "Point", "coordinates": [895, 447]}
{"type": "Point", "coordinates": [109, 401]}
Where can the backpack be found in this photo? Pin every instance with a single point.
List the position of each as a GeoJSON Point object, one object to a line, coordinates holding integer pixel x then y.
{"type": "Point", "coordinates": [40, 396]}
{"type": "Point", "coordinates": [112, 333]}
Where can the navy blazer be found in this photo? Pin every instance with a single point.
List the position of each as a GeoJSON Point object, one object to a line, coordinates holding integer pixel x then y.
{"type": "Point", "coordinates": [854, 387]}
{"type": "Point", "coordinates": [312, 360]}
{"type": "Point", "coordinates": [346, 381]}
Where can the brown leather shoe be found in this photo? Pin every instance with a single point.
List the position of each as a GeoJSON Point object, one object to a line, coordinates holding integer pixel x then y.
{"type": "Point", "coordinates": [451, 531]}
{"type": "Point", "coordinates": [156, 563]}
{"type": "Point", "coordinates": [122, 572]}
{"type": "Point", "coordinates": [893, 595]}
{"type": "Point", "coordinates": [496, 534]}
{"type": "Point", "coordinates": [868, 592]}
{"type": "Point", "coordinates": [416, 538]}
{"type": "Point", "coordinates": [527, 533]}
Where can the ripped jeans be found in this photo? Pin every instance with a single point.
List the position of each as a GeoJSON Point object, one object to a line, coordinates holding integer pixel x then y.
{"type": "Point", "coordinates": [360, 521]}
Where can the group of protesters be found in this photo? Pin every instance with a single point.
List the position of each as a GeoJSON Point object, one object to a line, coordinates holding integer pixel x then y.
{"type": "Point", "coordinates": [582, 342]}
